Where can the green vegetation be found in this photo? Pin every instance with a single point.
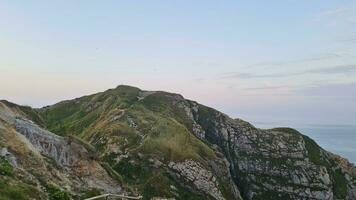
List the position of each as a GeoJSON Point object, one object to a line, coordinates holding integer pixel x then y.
{"type": "Point", "coordinates": [155, 116]}
{"type": "Point", "coordinates": [168, 105]}
{"type": "Point", "coordinates": [29, 112]}
{"type": "Point", "coordinates": [133, 171]}
{"type": "Point", "coordinates": [173, 141]}
{"type": "Point", "coordinates": [339, 184]}
{"type": "Point", "coordinates": [91, 149]}
{"type": "Point", "coordinates": [152, 182]}
{"type": "Point", "coordinates": [56, 117]}
{"type": "Point", "coordinates": [338, 178]}
{"type": "Point", "coordinates": [136, 172]}
{"type": "Point", "coordinates": [157, 185]}
{"type": "Point", "coordinates": [315, 156]}
{"type": "Point", "coordinates": [271, 195]}
{"type": "Point", "coordinates": [91, 193]}
{"type": "Point", "coordinates": [56, 193]}
{"type": "Point", "coordinates": [286, 130]}
{"type": "Point", "coordinates": [158, 126]}
{"type": "Point", "coordinates": [76, 116]}
{"type": "Point", "coordinates": [112, 173]}
{"type": "Point", "coordinates": [314, 151]}
{"type": "Point", "coordinates": [162, 129]}
{"type": "Point", "coordinates": [11, 190]}
{"type": "Point", "coordinates": [5, 167]}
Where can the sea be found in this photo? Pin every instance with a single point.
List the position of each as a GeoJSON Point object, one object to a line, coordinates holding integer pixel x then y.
{"type": "Point", "coordinates": [338, 139]}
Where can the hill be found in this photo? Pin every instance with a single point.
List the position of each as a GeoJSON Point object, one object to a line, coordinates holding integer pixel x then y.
{"type": "Point", "coordinates": [159, 144]}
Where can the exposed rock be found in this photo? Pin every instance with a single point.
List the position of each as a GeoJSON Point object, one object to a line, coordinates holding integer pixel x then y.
{"type": "Point", "coordinates": [8, 156]}
{"type": "Point", "coordinates": [202, 179]}
{"type": "Point", "coordinates": [269, 161]}
{"type": "Point", "coordinates": [76, 164]}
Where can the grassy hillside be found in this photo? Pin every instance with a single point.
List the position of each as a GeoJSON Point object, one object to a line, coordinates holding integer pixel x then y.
{"type": "Point", "coordinates": [120, 122]}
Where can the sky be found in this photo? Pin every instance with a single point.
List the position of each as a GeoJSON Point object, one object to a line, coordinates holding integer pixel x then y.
{"type": "Point", "coordinates": [287, 62]}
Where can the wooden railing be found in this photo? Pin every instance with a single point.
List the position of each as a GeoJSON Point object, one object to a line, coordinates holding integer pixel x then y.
{"type": "Point", "coordinates": [106, 196]}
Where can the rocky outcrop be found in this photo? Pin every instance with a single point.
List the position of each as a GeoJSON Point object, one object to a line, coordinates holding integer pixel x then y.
{"type": "Point", "coordinates": [65, 152]}
{"type": "Point", "coordinates": [74, 165]}
{"type": "Point", "coordinates": [8, 156]}
{"type": "Point", "coordinates": [278, 163]}
{"type": "Point", "coordinates": [201, 178]}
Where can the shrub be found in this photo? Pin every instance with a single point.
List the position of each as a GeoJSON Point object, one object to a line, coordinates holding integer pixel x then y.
{"type": "Point", "coordinates": [56, 193]}
{"type": "Point", "coordinates": [5, 167]}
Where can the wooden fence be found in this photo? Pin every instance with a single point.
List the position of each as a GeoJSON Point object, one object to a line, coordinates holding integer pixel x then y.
{"type": "Point", "coordinates": [107, 196]}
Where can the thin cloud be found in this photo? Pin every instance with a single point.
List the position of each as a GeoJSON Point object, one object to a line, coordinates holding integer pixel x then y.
{"type": "Point", "coordinates": [341, 69]}
{"type": "Point", "coordinates": [276, 87]}
{"type": "Point", "coordinates": [329, 90]}
{"type": "Point", "coordinates": [320, 57]}
{"type": "Point", "coordinates": [347, 39]}
{"type": "Point", "coordinates": [331, 13]}
{"type": "Point", "coordinates": [325, 89]}
{"type": "Point", "coordinates": [335, 16]}
{"type": "Point", "coordinates": [265, 88]}
{"type": "Point", "coordinates": [252, 75]}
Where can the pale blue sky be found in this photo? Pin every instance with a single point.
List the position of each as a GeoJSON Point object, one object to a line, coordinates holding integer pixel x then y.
{"type": "Point", "coordinates": [284, 61]}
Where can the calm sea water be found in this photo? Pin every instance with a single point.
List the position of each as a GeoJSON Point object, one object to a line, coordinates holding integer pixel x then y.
{"type": "Point", "coordinates": [339, 139]}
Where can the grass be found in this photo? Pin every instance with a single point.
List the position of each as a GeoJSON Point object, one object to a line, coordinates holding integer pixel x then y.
{"type": "Point", "coordinates": [339, 184]}
{"type": "Point", "coordinates": [167, 134]}
{"type": "Point", "coordinates": [286, 130]}
{"type": "Point", "coordinates": [76, 116]}
{"type": "Point", "coordinates": [152, 182]}
{"type": "Point", "coordinates": [56, 193]}
{"type": "Point", "coordinates": [13, 190]}
{"type": "Point", "coordinates": [157, 185]}
{"type": "Point", "coordinates": [133, 171]}
{"type": "Point", "coordinates": [29, 112]}
{"type": "Point", "coordinates": [113, 174]}
{"type": "Point", "coordinates": [6, 168]}
{"type": "Point", "coordinates": [166, 131]}
{"type": "Point", "coordinates": [92, 192]}
{"type": "Point", "coordinates": [165, 127]}
{"type": "Point", "coordinates": [171, 140]}
{"type": "Point", "coordinates": [167, 104]}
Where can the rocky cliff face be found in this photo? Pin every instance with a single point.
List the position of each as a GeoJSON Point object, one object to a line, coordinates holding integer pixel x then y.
{"type": "Point", "coordinates": [161, 145]}
{"type": "Point", "coordinates": [279, 163]}
{"type": "Point", "coordinates": [45, 158]}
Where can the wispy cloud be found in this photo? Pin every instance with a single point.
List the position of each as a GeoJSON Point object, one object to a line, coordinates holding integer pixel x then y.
{"type": "Point", "coordinates": [340, 69]}
{"type": "Point", "coordinates": [319, 57]}
{"type": "Point", "coordinates": [318, 89]}
{"type": "Point", "coordinates": [331, 13]}
{"type": "Point", "coordinates": [250, 75]}
{"type": "Point", "coordinates": [265, 88]}
{"type": "Point", "coordinates": [275, 87]}
{"type": "Point", "coordinates": [337, 15]}
{"type": "Point", "coordinates": [329, 90]}
{"type": "Point", "coordinates": [347, 39]}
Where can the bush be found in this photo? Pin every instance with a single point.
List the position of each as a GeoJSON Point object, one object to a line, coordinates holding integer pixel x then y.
{"type": "Point", "coordinates": [56, 193]}
{"type": "Point", "coordinates": [5, 167]}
